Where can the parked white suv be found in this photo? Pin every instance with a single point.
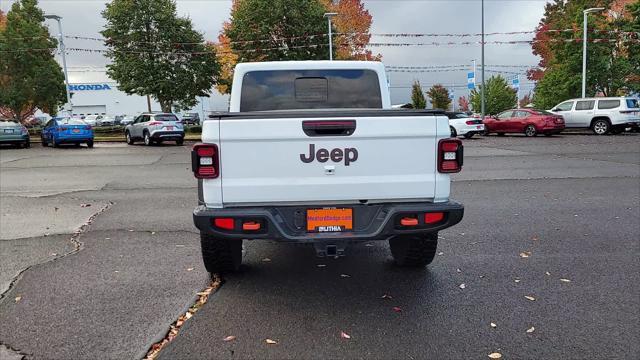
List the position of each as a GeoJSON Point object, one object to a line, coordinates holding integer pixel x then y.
{"type": "Point", "coordinates": [311, 152]}
{"type": "Point", "coordinates": [602, 115]}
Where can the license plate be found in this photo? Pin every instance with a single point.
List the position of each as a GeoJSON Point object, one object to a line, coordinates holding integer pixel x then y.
{"type": "Point", "coordinates": [76, 131]}
{"type": "Point", "coordinates": [329, 220]}
{"type": "Point", "coordinates": [169, 127]}
{"type": "Point", "coordinates": [8, 131]}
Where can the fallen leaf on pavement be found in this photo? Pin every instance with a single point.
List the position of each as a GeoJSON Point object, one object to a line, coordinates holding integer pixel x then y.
{"type": "Point", "coordinates": [440, 253]}
{"type": "Point", "coordinates": [321, 265]}
{"type": "Point", "coordinates": [271, 342]}
{"type": "Point", "coordinates": [547, 273]}
{"type": "Point", "coordinates": [54, 254]}
{"type": "Point", "coordinates": [493, 325]}
{"type": "Point", "coordinates": [458, 270]}
{"type": "Point", "coordinates": [530, 330]}
{"type": "Point", "coordinates": [397, 309]}
{"type": "Point", "coordinates": [153, 233]}
{"type": "Point", "coordinates": [190, 269]}
{"type": "Point", "coordinates": [84, 205]}
{"type": "Point", "coordinates": [525, 254]}
{"type": "Point", "coordinates": [18, 298]}
{"type": "Point", "coordinates": [345, 276]}
{"type": "Point", "coordinates": [517, 280]}
{"type": "Point", "coordinates": [344, 335]}
{"type": "Point", "coordinates": [188, 315]}
{"type": "Point", "coordinates": [530, 298]}
{"type": "Point", "coordinates": [565, 280]}
{"type": "Point", "coordinates": [462, 286]}
{"type": "Point", "coordinates": [229, 338]}
{"type": "Point", "coordinates": [387, 296]}
{"type": "Point", "coordinates": [495, 355]}
{"type": "Point", "coordinates": [534, 238]}
{"type": "Point", "coordinates": [179, 245]}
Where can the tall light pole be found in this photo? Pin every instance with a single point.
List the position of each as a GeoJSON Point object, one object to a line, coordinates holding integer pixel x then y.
{"type": "Point", "coordinates": [329, 16]}
{"type": "Point", "coordinates": [64, 60]}
{"type": "Point", "coordinates": [584, 48]}
{"type": "Point", "coordinates": [482, 93]}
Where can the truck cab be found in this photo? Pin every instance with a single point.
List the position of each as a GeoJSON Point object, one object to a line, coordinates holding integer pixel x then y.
{"type": "Point", "coordinates": [311, 152]}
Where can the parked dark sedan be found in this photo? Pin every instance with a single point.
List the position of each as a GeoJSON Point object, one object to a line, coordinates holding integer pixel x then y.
{"type": "Point", "coordinates": [530, 122]}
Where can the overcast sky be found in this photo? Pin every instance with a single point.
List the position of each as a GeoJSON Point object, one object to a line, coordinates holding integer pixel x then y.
{"type": "Point", "coordinates": [82, 17]}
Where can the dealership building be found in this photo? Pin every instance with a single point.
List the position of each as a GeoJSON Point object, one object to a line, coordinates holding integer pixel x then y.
{"type": "Point", "coordinates": [94, 93]}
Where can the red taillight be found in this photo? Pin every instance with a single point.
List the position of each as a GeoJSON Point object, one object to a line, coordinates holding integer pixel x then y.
{"type": "Point", "coordinates": [155, 123]}
{"type": "Point", "coordinates": [64, 128]}
{"type": "Point", "coordinates": [205, 161]}
{"type": "Point", "coordinates": [450, 155]}
{"type": "Point", "coordinates": [470, 122]}
{"type": "Point", "coordinates": [224, 223]}
{"type": "Point", "coordinates": [432, 218]}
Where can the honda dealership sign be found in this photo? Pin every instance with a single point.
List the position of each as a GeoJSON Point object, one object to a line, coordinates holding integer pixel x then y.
{"type": "Point", "coordinates": [88, 87]}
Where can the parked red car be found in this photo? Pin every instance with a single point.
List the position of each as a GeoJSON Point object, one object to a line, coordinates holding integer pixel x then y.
{"type": "Point", "coordinates": [531, 122]}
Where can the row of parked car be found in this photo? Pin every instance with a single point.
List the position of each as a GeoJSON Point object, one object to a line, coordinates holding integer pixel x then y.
{"type": "Point", "coordinates": [611, 115]}
{"type": "Point", "coordinates": [124, 120]}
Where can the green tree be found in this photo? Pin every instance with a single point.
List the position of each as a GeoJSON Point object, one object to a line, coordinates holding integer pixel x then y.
{"type": "Point", "coordinates": [271, 30]}
{"type": "Point", "coordinates": [499, 96]}
{"type": "Point", "coordinates": [417, 97]}
{"type": "Point", "coordinates": [609, 69]}
{"type": "Point", "coordinates": [439, 96]}
{"type": "Point", "coordinates": [30, 77]}
{"type": "Point", "coordinates": [155, 52]}
{"type": "Point", "coordinates": [631, 23]}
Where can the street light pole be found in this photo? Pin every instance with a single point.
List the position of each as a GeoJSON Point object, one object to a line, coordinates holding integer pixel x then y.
{"type": "Point", "coordinates": [584, 48]}
{"type": "Point", "coordinates": [482, 93]}
{"type": "Point", "coordinates": [64, 60]}
{"type": "Point", "coordinates": [329, 16]}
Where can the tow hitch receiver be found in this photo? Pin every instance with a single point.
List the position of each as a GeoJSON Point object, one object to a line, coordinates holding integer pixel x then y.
{"type": "Point", "coordinates": [332, 249]}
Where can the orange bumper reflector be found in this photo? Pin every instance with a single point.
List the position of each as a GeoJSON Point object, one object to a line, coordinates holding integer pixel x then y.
{"type": "Point", "coordinates": [408, 221]}
{"type": "Point", "coordinates": [251, 226]}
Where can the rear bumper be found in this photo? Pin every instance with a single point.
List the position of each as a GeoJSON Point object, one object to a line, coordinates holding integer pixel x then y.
{"type": "Point", "coordinates": [466, 129]}
{"type": "Point", "coordinates": [167, 135]}
{"type": "Point", "coordinates": [288, 223]}
{"type": "Point", "coordinates": [14, 139]}
{"type": "Point", "coordinates": [73, 139]}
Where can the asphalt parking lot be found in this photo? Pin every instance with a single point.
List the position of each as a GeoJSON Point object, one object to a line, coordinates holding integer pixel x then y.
{"type": "Point", "coordinates": [99, 256]}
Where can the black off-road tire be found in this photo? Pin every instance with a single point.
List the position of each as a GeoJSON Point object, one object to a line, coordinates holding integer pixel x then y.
{"type": "Point", "coordinates": [180, 142]}
{"type": "Point", "coordinates": [89, 144]}
{"type": "Point", "coordinates": [220, 256]}
{"type": "Point", "coordinates": [414, 250]}
{"type": "Point", "coordinates": [454, 133]}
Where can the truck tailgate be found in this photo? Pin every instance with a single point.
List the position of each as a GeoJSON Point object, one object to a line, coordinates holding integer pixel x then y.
{"type": "Point", "coordinates": [274, 160]}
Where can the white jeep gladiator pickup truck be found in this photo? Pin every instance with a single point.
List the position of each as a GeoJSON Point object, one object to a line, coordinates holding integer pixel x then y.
{"type": "Point", "coordinates": [311, 152]}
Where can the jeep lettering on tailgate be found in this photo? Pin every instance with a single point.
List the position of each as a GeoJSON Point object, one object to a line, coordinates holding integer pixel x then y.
{"type": "Point", "coordinates": [349, 155]}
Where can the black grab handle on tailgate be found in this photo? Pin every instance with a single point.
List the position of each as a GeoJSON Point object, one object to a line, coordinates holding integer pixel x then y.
{"type": "Point", "coordinates": [329, 127]}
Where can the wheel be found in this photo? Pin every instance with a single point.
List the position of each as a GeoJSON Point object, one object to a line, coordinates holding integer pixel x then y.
{"type": "Point", "coordinates": [414, 250]}
{"type": "Point", "coordinates": [530, 131]}
{"type": "Point", "coordinates": [600, 127]}
{"type": "Point", "coordinates": [486, 132]}
{"type": "Point", "coordinates": [180, 142]}
{"type": "Point", "coordinates": [89, 144]}
{"type": "Point", "coordinates": [43, 141]}
{"type": "Point", "coordinates": [147, 139]}
{"type": "Point", "coordinates": [469, 135]}
{"type": "Point", "coordinates": [454, 133]}
{"type": "Point", "coordinates": [129, 138]}
{"type": "Point", "coordinates": [55, 143]}
{"type": "Point", "coordinates": [500, 134]}
{"type": "Point", "coordinates": [27, 144]}
{"type": "Point", "coordinates": [220, 255]}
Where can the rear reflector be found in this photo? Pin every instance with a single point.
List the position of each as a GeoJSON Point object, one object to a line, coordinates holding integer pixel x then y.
{"type": "Point", "coordinates": [450, 155]}
{"type": "Point", "coordinates": [407, 221]}
{"type": "Point", "coordinates": [251, 226]}
{"type": "Point", "coordinates": [432, 218]}
{"type": "Point", "coordinates": [224, 223]}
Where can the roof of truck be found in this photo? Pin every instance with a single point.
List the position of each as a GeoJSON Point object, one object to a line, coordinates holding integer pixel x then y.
{"type": "Point", "coordinates": [309, 65]}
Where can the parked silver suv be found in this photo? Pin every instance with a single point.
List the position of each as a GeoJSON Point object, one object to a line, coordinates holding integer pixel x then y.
{"type": "Point", "coordinates": [155, 127]}
{"type": "Point", "coordinates": [602, 115]}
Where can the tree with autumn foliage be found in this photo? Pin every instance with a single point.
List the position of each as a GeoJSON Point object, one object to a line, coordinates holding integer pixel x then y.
{"type": "Point", "coordinates": [463, 103]}
{"type": "Point", "coordinates": [525, 100]}
{"type": "Point", "coordinates": [610, 68]}
{"type": "Point", "coordinates": [290, 31]}
{"type": "Point", "coordinates": [439, 96]}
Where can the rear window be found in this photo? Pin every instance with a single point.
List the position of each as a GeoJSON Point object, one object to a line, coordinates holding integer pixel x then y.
{"type": "Point", "coordinates": [165, 117]}
{"type": "Point", "coordinates": [68, 121]}
{"type": "Point", "coordinates": [633, 103]}
{"type": "Point", "coordinates": [310, 89]}
{"type": "Point", "coordinates": [608, 104]}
